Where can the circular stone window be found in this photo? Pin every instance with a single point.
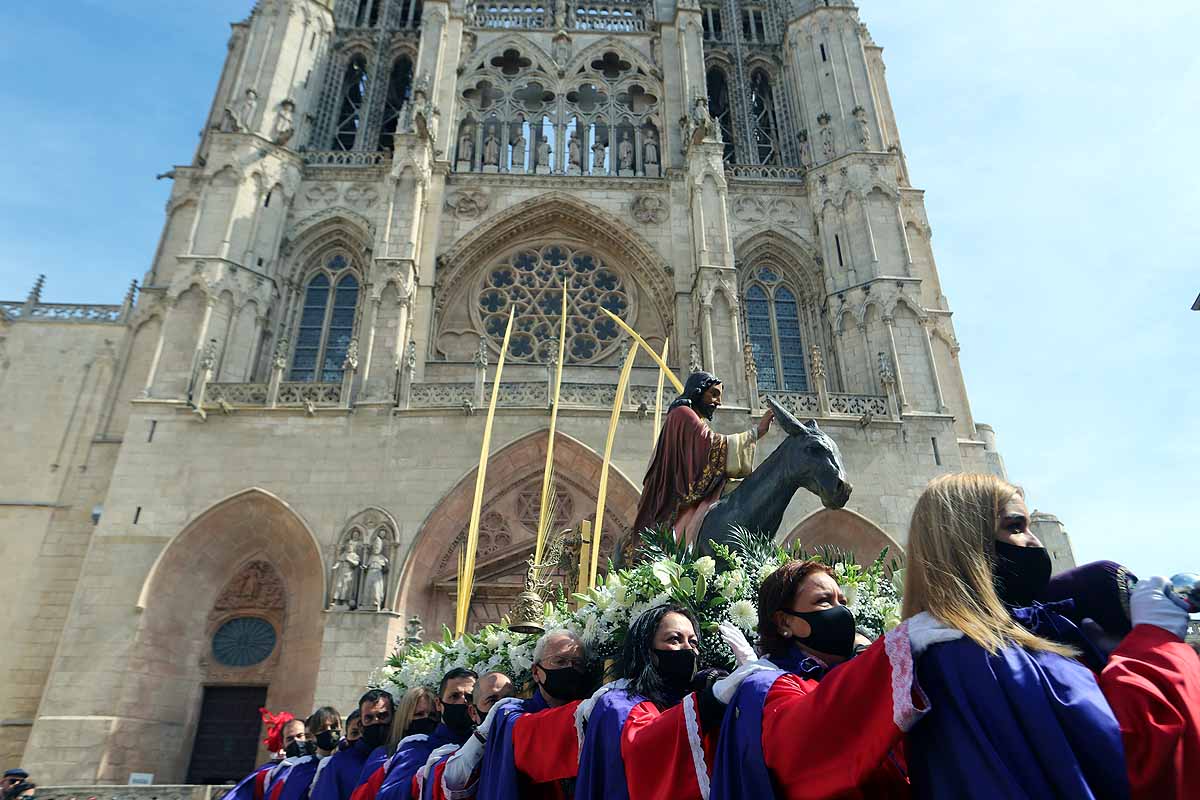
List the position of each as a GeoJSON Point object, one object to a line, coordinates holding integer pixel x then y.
{"type": "Point", "coordinates": [243, 642]}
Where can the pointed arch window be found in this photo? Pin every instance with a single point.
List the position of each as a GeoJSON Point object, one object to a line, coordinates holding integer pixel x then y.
{"type": "Point", "coordinates": [326, 323]}
{"type": "Point", "coordinates": [762, 106]}
{"type": "Point", "coordinates": [354, 93]}
{"type": "Point", "coordinates": [719, 108]}
{"type": "Point", "coordinates": [773, 325]}
{"type": "Point", "coordinates": [399, 87]}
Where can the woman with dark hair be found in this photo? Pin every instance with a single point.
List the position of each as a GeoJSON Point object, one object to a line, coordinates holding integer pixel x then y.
{"type": "Point", "coordinates": [806, 631]}
{"type": "Point", "coordinates": [645, 731]}
{"type": "Point", "coordinates": [323, 728]}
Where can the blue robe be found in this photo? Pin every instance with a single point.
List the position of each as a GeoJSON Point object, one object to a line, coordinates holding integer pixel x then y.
{"type": "Point", "coordinates": [410, 756]}
{"type": "Point", "coordinates": [740, 769]}
{"type": "Point", "coordinates": [498, 776]}
{"type": "Point", "coordinates": [245, 787]}
{"type": "Point", "coordinates": [340, 777]}
{"type": "Point", "coordinates": [601, 767]}
{"type": "Point", "coordinates": [1015, 725]}
{"type": "Point", "coordinates": [299, 779]}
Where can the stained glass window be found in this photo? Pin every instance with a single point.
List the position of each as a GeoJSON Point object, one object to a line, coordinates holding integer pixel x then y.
{"type": "Point", "coordinates": [243, 642]}
{"type": "Point", "coordinates": [531, 281]}
{"type": "Point", "coordinates": [326, 323]}
{"type": "Point", "coordinates": [773, 326]}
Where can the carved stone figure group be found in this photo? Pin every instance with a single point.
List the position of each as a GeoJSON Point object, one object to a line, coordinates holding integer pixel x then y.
{"type": "Point", "coordinates": [359, 577]}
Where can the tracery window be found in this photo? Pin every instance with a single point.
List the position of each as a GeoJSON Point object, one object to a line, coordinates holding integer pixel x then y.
{"type": "Point", "coordinates": [531, 280]}
{"type": "Point", "coordinates": [326, 323]}
{"type": "Point", "coordinates": [719, 108]}
{"type": "Point", "coordinates": [603, 120]}
{"type": "Point", "coordinates": [354, 93]}
{"type": "Point", "coordinates": [773, 325]}
{"type": "Point", "coordinates": [762, 107]}
{"type": "Point", "coordinates": [399, 87]}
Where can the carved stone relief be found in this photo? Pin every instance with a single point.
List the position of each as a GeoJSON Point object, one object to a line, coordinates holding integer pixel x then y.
{"type": "Point", "coordinates": [649, 209]}
{"type": "Point", "coordinates": [468, 203]}
{"type": "Point", "coordinates": [362, 577]}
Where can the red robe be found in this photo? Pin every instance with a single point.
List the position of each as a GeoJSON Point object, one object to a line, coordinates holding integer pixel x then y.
{"type": "Point", "coordinates": [688, 470]}
{"type": "Point", "coordinates": [870, 701]}
{"type": "Point", "coordinates": [546, 750]}
{"type": "Point", "coordinates": [667, 755]}
{"type": "Point", "coordinates": [1152, 682]}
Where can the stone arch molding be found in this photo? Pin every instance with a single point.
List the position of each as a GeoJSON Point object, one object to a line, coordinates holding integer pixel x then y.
{"type": "Point", "coordinates": [362, 574]}
{"type": "Point", "coordinates": [796, 257]}
{"type": "Point", "coordinates": [171, 642]}
{"type": "Point", "coordinates": [541, 219]}
{"type": "Point", "coordinates": [428, 581]}
{"type": "Point", "coordinates": [845, 529]}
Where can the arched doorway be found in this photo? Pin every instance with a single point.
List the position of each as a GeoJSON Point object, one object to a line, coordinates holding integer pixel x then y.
{"type": "Point", "coordinates": [845, 529]}
{"type": "Point", "coordinates": [234, 601]}
{"type": "Point", "coordinates": [429, 582]}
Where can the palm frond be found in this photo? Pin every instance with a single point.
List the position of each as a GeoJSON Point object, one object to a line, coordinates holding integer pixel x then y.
{"type": "Point", "coordinates": [659, 543]}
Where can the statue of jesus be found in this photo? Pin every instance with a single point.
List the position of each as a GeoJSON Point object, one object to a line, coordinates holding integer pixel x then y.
{"type": "Point", "coordinates": [692, 462]}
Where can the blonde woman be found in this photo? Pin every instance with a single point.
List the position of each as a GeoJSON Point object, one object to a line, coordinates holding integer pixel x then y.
{"type": "Point", "coordinates": [1011, 714]}
{"type": "Point", "coordinates": [415, 719]}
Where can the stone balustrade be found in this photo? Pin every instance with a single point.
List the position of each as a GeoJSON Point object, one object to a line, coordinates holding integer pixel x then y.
{"type": "Point", "coordinates": [763, 172]}
{"type": "Point", "coordinates": [151, 792]}
{"type": "Point", "coordinates": [345, 158]}
{"type": "Point", "coordinates": [630, 16]}
{"type": "Point", "coordinates": [63, 312]}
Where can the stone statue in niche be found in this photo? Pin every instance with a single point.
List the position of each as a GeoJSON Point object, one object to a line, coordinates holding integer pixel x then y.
{"type": "Point", "coordinates": [651, 148]}
{"type": "Point", "coordinates": [574, 153]}
{"type": "Point", "coordinates": [345, 571]}
{"type": "Point", "coordinates": [466, 145]}
{"type": "Point", "coordinates": [598, 153]}
{"type": "Point", "coordinates": [284, 123]}
{"type": "Point", "coordinates": [625, 153]}
{"type": "Point", "coordinates": [863, 127]}
{"type": "Point", "coordinates": [229, 123]}
{"type": "Point", "coordinates": [375, 585]}
{"type": "Point", "coordinates": [518, 150]}
{"type": "Point", "coordinates": [246, 110]}
{"type": "Point", "coordinates": [543, 153]}
{"type": "Point", "coordinates": [805, 149]}
{"type": "Point", "coordinates": [491, 150]}
{"type": "Point", "coordinates": [827, 148]}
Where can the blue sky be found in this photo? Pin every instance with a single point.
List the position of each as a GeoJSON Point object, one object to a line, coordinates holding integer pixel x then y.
{"type": "Point", "coordinates": [1056, 142]}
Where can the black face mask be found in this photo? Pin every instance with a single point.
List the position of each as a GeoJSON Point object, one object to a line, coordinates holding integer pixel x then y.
{"type": "Point", "coordinates": [676, 667]}
{"type": "Point", "coordinates": [299, 748]}
{"type": "Point", "coordinates": [457, 718]}
{"type": "Point", "coordinates": [832, 630]}
{"type": "Point", "coordinates": [424, 726]}
{"type": "Point", "coordinates": [566, 684]}
{"type": "Point", "coordinates": [1021, 573]}
{"type": "Point", "coordinates": [328, 740]}
{"type": "Point", "coordinates": [375, 735]}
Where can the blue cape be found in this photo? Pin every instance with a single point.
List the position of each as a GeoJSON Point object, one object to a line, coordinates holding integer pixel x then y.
{"type": "Point", "coordinates": [740, 769]}
{"type": "Point", "coordinates": [601, 767]}
{"type": "Point", "coordinates": [411, 755]}
{"type": "Point", "coordinates": [245, 787]}
{"type": "Point", "coordinates": [299, 779]}
{"type": "Point", "coordinates": [339, 779]}
{"type": "Point", "coordinates": [498, 776]}
{"type": "Point", "coordinates": [1018, 724]}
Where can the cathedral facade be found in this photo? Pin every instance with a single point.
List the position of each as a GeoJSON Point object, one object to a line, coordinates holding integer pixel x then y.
{"type": "Point", "coordinates": [241, 486]}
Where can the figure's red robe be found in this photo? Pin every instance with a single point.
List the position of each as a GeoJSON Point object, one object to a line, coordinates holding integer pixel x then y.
{"type": "Point", "coordinates": [667, 754]}
{"type": "Point", "coordinates": [688, 471]}
{"type": "Point", "coordinates": [1152, 682]}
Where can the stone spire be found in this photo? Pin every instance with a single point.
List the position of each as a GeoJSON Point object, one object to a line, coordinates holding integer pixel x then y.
{"type": "Point", "coordinates": [35, 294]}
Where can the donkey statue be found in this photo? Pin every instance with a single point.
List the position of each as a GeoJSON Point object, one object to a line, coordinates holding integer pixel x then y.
{"type": "Point", "coordinates": [807, 458]}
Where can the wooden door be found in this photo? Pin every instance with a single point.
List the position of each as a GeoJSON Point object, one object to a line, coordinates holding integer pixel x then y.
{"type": "Point", "coordinates": [227, 736]}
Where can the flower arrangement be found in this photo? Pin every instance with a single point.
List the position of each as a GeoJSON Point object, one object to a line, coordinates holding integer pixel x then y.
{"type": "Point", "coordinates": [718, 588]}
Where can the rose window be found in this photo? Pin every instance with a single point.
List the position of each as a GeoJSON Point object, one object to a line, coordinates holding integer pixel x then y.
{"type": "Point", "coordinates": [532, 282]}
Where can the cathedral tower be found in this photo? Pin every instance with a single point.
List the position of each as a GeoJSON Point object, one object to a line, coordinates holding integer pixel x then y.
{"type": "Point", "coordinates": [266, 470]}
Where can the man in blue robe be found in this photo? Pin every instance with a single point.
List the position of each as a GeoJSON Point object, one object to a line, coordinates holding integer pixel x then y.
{"type": "Point", "coordinates": [345, 770]}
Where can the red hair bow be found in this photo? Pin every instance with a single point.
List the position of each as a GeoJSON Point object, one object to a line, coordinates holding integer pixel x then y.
{"type": "Point", "coordinates": [275, 723]}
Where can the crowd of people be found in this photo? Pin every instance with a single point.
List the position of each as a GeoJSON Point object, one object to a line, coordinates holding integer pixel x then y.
{"type": "Point", "coordinates": [999, 682]}
{"type": "Point", "coordinates": [16, 783]}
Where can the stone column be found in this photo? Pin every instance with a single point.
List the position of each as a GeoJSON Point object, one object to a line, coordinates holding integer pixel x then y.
{"type": "Point", "coordinates": [927, 327]}
{"type": "Point", "coordinates": [208, 362]}
{"type": "Point", "coordinates": [706, 336]}
{"type": "Point", "coordinates": [158, 348]}
{"type": "Point", "coordinates": [371, 315]}
{"type": "Point", "coordinates": [209, 303]}
{"type": "Point", "coordinates": [751, 376]}
{"type": "Point", "coordinates": [888, 323]}
{"type": "Point", "coordinates": [349, 368]}
{"type": "Point", "coordinates": [862, 329]}
{"type": "Point", "coordinates": [278, 365]}
{"type": "Point", "coordinates": [407, 371]}
{"type": "Point", "coordinates": [481, 363]}
{"type": "Point", "coordinates": [888, 378]}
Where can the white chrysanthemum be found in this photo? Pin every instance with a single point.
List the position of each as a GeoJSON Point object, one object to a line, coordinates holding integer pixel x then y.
{"type": "Point", "coordinates": [494, 639]}
{"type": "Point", "coordinates": [706, 567]}
{"type": "Point", "coordinates": [743, 614]}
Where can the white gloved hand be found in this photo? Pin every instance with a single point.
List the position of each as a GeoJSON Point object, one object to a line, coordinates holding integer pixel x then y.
{"type": "Point", "coordinates": [494, 712]}
{"type": "Point", "coordinates": [925, 629]}
{"type": "Point", "coordinates": [727, 687]}
{"type": "Point", "coordinates": [1150, 603]}
{"type": "Point", "coordinates": [733, 636]}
